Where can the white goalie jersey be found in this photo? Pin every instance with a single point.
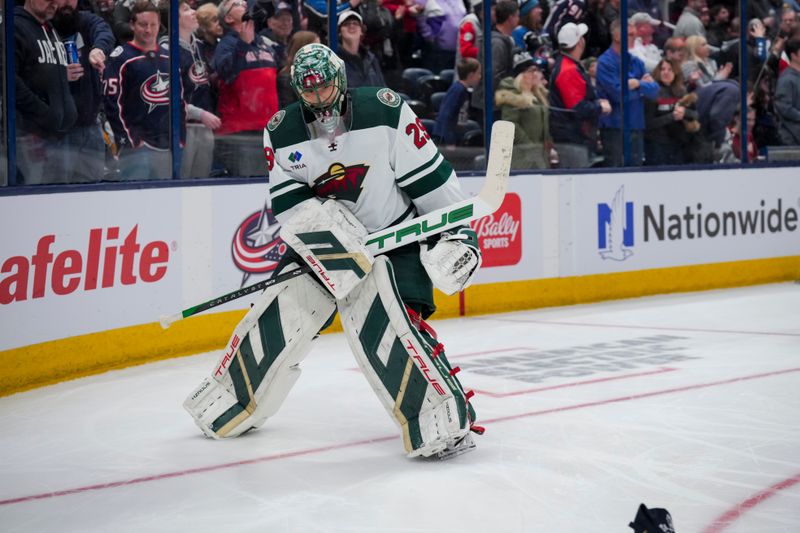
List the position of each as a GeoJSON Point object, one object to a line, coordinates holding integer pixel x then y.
{"type": "Point", "coordinates": [384, 167]}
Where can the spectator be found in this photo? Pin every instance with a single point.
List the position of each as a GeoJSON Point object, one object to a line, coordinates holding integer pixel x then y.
{"type": "Point", "coordinates": [611, 11]}
{"type": "Point", "coordinates": [574, 108]}
{"type": "Point", "coordinates": [209, 32]}
{"type": "Point", "coordinates": [640, 85]}
{"type": "Point", "coordinates": [699, 70]}
{"type": "Point", "coordinates": [523, 100]}
{"type": "Point", "coordinates": [765, 130]}
{"type": "Point", "coordinates": [757, 49]}
{"type": "Point", "coordinates": [278, 31]}
{"type": "Point", "coordinates": [44, 104]}
{"type": "Point", "coordinates": [405, 15]}
{"type": "Point", "coordinates": [590, 64]}
{"type": "Point", "coordinates": [136, 87]}
{"type": "Point", "coordinates": [453, 110]}
{"type": "Point", "coordinates": [642, 47]}
{"type": "Point", "coordinates": [122, 21]}
{"type": "Point", "coordinates": [201, 121]}
{"type": "Point", "coordinates": [287, 95]}
{"type": "Point", "coordinates": [718, 29]}
{"type": "Point", "coordinates": [652, 8]}
{"type": "Point", "coordinates": [599, 37]}
{"type": "Point", "coordinates": [526, 35]}
{"type": "Point", "coordinates": [93, 40]}
{"type": "Point", "coordinates": [439, 26]}
{"type": "Point", "coordinates": [502, 46]}
{"type": "Point", "coordinates": [470, 29]}
{"type": "Point", "coordinates": [675, 51]}
{"type": "Point", "coordinates": [787, 96]}
{"type": "Point", "coordinates": [689, 22]}
{"type": "Point", "coordinates": [248, 93]}
{"type": "Point", "coordinates": [735, 131]}
{"type": "Point", "coordinates": [105, 10]}
{"type": "Point", "coordinates": [362, 67]}
{"type": "Point", "coordinates": [669, 119]}
{"type": "Point", "coordinates": [717, 104]}
{"type": "Point", "coordinates": [316, 12]}
{"type": "Point", "coordinates": [563, 12]}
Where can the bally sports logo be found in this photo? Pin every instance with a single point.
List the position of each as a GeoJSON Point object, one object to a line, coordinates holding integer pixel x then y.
{"type": "Point", "coordinates": [103, 263]}
{"type": "Point", "coordinates": [500, 234]}
{"type": "Point", "coordinates": [257, 246]}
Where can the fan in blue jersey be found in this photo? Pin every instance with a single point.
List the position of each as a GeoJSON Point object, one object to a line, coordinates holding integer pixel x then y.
{"type": "Point", "coordinates": [136, 89]}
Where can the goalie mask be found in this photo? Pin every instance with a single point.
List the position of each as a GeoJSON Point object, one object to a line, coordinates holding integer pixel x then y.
{"type": "Point", "coordinates": [318, 77]}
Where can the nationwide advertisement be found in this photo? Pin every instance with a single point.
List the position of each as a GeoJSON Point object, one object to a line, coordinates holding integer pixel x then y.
{"type": "Point", "coordinates": [638, 221]}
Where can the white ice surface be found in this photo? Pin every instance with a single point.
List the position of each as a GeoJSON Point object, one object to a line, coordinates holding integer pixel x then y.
{"type": "Point", "coordinates": [688, 402]}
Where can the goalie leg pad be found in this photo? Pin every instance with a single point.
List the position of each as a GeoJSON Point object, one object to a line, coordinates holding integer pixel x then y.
{"type": "Point", "coordinates": [412, 383]}
{"type": "Point", "coordinates": [260, 363]}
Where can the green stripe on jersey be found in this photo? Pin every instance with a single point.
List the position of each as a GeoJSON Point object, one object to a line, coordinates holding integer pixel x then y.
{"type": "Point", "coordinates": [285, 198]}
{"type": "Point", "coordinates": [292, 129]}
{"type": "Point", "coordinates": [430, 181]}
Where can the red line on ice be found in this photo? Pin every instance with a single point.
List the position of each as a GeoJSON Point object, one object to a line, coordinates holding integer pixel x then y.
{"type": "Point", "coordinates": [735, 512]}
{"type": "Point", "coordinates": [345, 445]}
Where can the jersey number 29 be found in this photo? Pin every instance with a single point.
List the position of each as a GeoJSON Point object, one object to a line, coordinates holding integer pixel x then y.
{"type": "Point", "coordinates": [421, 136]}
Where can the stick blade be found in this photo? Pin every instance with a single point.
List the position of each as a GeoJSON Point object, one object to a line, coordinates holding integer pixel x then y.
{"type": "Point", "coordinates": [499, 164]}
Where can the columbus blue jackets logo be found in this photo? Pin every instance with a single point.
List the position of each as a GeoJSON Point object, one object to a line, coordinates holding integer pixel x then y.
{"type": "Point", "coordinates": [155, 90]}
{"type": "Point", "coordinates": [198, 74]}
{"type": "Point", "coordinates": [257, 246]}
{"type": "Point", "coordinates": [341, 182]}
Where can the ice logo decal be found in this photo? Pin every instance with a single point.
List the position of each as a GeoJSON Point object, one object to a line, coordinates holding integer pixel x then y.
{"type": "Point", "coordinates": [615, 228]}
{"type": "Point", "coordinates": [257, 246]}
{"type": "Point", "coordinates": [155, 90]}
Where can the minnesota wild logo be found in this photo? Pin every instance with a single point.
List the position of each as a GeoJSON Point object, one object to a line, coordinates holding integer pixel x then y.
{"type": "Point", "coordinates": [389, 97]}
{"type": "Point", "coordinates": [276, 120]}
{"type": "Point", "coordinates": [341, 182]}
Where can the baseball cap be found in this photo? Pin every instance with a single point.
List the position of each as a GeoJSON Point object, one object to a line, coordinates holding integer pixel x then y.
{"type": "Point", "coordinates": [282, 6]}
{"type": "Point", "coordinates": [571, 33]}
{"type": "Point", "coordinates": [527, 6]}
{"type": "Point", "coordinates": [348, 14]}
{"type": "Point", "coordinates": [642, 18]}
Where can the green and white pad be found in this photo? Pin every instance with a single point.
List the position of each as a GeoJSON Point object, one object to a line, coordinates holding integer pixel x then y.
{"type": "Point", "coordinates": [260, 364]}
{"type": "Point", "coordinates": [414, 385]}
{"type": "Point", "coordinates": [331, 240]}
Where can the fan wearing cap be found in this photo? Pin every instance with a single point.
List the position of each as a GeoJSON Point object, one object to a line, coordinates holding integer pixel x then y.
{"type": "Point", "coordinates": [278, 31]}
{"type": "Point", "coordinates": [523, 100]}
{"type": "Point", "coordinates": [574, 106]}
{"type": "Point", "coordinates": [641, 85]}
{"type": "Point", "coordinates": [362, 66]}
{"type": "Point", "coordinates": [644, 27]}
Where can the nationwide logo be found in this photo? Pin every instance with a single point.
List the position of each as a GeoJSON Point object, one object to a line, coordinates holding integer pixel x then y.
{"type": "Point", "coordinates": [615, 228]}
{"type": "Point", "coordinates": [257, 246]}
{"type": "Point", "coordinates": [341, 182]}
{"type": "Point", "coordinates": [104, 262]}
{"type": "Point", "coordinates": [500, 234]}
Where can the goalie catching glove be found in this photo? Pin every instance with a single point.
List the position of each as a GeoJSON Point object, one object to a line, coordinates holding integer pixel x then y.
{"type": "Point", "coordinates": [452, 261]}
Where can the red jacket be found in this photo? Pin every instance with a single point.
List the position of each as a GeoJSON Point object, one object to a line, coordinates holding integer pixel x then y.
{"type": "Point", "coordinates": [248, 93]}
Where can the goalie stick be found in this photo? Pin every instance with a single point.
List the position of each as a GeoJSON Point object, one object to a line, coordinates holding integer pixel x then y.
{"type": "Point", "coordinates": [419, 228]}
